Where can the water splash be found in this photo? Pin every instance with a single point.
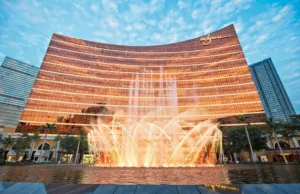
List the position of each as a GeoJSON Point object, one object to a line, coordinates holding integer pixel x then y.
{"type": "Point", "coordinates": [154, 132]}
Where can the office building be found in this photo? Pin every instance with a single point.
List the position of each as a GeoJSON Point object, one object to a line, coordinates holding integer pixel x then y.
{"type": "Point", "coordinates": [274, 98]}
{"type": "Point", "coordinates": [16, 80]}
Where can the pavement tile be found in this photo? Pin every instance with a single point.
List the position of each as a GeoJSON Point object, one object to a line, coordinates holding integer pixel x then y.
{"type": "Point", "coordinates": [289, 188]}
{"type": "Point", "coordinates": [270, 188]}
{"type": "Point", "coordinates": [146, 189]}
{"type": "Point", "coordinates": [166, 189]}
{"type": "Point", "coordinates": [204, 190]}
{"type": "Point", "coordinates": [15, 188]}
{"type": "Point", "coordinates": [105, 189]}
{"type": "Point", "coordinates": [252, 188]}
{"type": "Point", "coordinates": [64, 188]}
{"type": "Point", "coordinates": [187, 189]}
{"type": "Point", "coordinates": [7, 184]}
{"type": "Point", "coordinates": [56, 188]}
{"type": "Point", "coordinates": [128, 189]}
{"type": "Point", "coordinates": [32, 188]}
{"type": "Point", "coordinates": [88, 188]}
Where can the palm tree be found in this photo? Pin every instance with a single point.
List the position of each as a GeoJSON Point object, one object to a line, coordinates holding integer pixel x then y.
{"type": "Point", "coordinates": [286, 133]}
{"type": "Point", "coordinates": [57, 139]}
{"type": "Point", "coordinates": [21, 144]}
{"type": "Point", "coordinates": [81, 135]}
{"type": "Point", "coordinates": [7, 141]}
{"type": "Point", "coordinates": [273, 127]}
{"type": "Point", "coordinates": [243, 119]}
{"type": "Point", "coordinates": [47, 127]}
{"type": "Point", "coordinates": [1, 137]}
{"type": "Point", "coordinates": [268, 133]}
{"type": "Point", "coordinates": [33, 139]}
{"type": "Point", "coordinates": [291, 129]}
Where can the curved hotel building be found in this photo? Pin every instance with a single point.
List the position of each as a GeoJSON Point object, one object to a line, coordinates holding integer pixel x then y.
{"type": "Point", "coordinates": [78, 78]}
{"type": "Point", "coordinates": [176, 91]}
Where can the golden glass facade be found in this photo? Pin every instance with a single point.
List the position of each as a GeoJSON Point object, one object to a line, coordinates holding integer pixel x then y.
{"type": "Point", "coordinates": [77, 76]}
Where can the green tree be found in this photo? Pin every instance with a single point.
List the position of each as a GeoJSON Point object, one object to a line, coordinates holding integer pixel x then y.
{"type": "Point", "coordinates": [70, 143]}
{"type": "Point", "coordinates": [33, 139]}
{"type": "Point", "coordinates": [2, 161]}
{"type": "Point", "coordinates": [243, 119]}
{"type": "Point", "coordinates": [275, 127]}
{"type": "Point", "coordinates": [47, 128]}
{"type": "Point", "coordinates": [6, 142]}
{"type": "Point", "coordinates": [235, 140]}
{"type": "Point", "coordinates": [1, 142]}
{"type": "Point", "coordinates": [295, 119]}
{"type": "Point", "coordinates": [291, 129]}
{"type": "Point", "coordinates": [22, 143]}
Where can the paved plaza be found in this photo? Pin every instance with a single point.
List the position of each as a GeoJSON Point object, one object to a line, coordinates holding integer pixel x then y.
{"type": "Point", "coordinates": [52, 188]}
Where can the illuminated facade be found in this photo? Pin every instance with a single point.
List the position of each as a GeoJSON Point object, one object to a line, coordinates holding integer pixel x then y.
{"type": "Point", "coordinates": [79, 80]}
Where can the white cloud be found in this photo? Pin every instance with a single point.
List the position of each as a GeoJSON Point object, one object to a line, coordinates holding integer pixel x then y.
{"type": "Point", "coordinates": [293, 38]}
{"type": "Point", "coordinates": [95, 8]}
{"type": "Point", "coordinates": [292, 49]}
{"type": "Point", "coordinates": [180, 21]}
{"type": "Point", "coordinates": [151, 22]}
{"type": "Point", "coordinates": [281, 13]}
{"type": "Point", "coordinates": [246, 47]}
{"type": "Point", "coordinates": [294, 75]}
{"type": "Point", "coordinates": [156, 5]}
{"type": "Point", "coordinates": [195, 14]}
{"type": "Point", "coordinates": [34, 18]}
{"type": "Point", "coordinates": [128, 28]}
{"type": "Point", "coordinates": [261, 38]}
{"type": "Point", "coordinates": [139, 26]}
{"type": "Point", "coordinates": [112, 21]}
{"type": "Point", "coordinates": [181, 4]}
{"type": "Point", "coordinates": [103, 34]}
{"type": "Point", "coordinates": [35, 3]}
{"type": "Point", "coordinates": [76, 5]}
{"type": "Point", "coordinates": [156, 37]}
{"type": "Point", "coordinates": [110, 5]}
{"type": "Point", "coordinates": [139, 9]}
{"type": "Point", "coordinates": [238, 26]}
{"type": "Point", "coordinates": [247, 6]}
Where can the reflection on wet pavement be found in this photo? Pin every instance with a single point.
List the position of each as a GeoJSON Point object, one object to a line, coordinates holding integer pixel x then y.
{"type": "Point", "coordinates": [229, 174]}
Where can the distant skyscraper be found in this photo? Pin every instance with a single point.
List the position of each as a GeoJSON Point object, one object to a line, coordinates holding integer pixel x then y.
{"type": "Point", "coordinates": [16, 80]}
{"type": "Point", "coordinates": [271, 90]}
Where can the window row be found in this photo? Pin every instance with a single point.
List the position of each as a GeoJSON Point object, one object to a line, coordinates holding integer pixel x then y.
{"type": "Point", "coordinates": [153, 90]}
{"type": "Point", "coordinates": [193, 44]}
{"type": "Point", "coordinates": [240, 79]}
{"type": "Point", "coordinates": [91, 58]}
{"type": "Point", "coordinates": [155, 77]}
{"type": "Point", "coordinates": [54, 60]}
{"type": "Point", "coordinates": [144, 55]}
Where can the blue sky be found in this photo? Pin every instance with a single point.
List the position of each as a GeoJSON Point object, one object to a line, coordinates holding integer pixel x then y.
{"type": "Point", "coordinates": [265, 28]}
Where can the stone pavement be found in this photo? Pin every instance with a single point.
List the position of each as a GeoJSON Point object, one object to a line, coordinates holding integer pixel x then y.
{"type": "Point", "coordinates": [54, 188]}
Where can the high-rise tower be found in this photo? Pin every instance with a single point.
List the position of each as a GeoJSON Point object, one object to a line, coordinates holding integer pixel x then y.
{"type": "Point", "coordinates": [274, 98]}
{"type": "Point", "coordinates": [16, 80]}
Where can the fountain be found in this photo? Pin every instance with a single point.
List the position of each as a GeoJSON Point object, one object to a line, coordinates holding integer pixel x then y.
{"type": "Point", "coordinates": [152, 131]}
